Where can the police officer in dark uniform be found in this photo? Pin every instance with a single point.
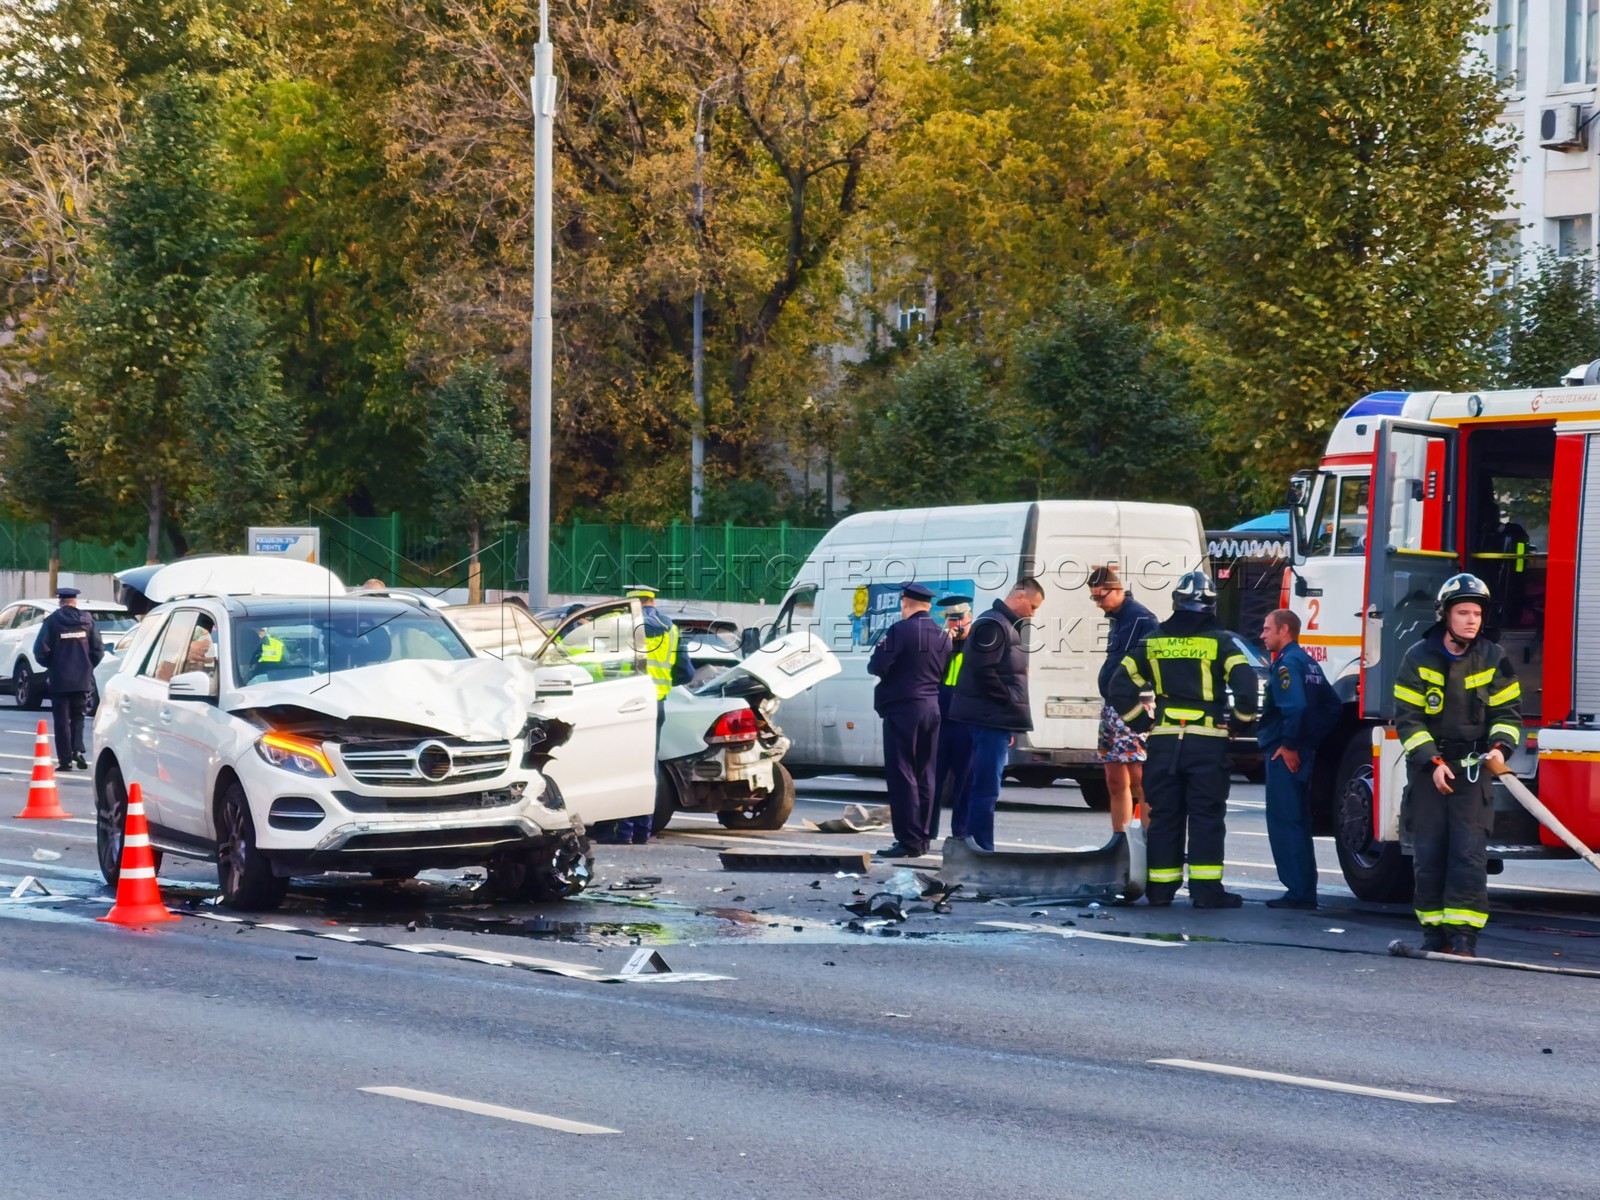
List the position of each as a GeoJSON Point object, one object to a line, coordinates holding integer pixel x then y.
{"type": "Point", "coordinates": [953, 773]}
{"type": "Point", "coordinates": [910, 661]}
{"type": "Point", "coordinates": [1286, 738]}
{"type": "Point", "coordinates": [69, 648]}
{"type": "Point", "coordinates": [1457, 709]}
{"type": "Point", "coordinates": [1189, 663]}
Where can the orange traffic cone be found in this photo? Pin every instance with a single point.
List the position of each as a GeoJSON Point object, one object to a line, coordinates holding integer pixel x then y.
{"type": "Point", "coordinates": [138, 897]}
{"type": "Point", "coordinates": [42, 798]}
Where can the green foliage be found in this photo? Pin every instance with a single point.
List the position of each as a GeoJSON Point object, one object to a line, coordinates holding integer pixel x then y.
{"type": "Point", "coordinates": [40, 480]}
{"type": "Point", "coordinates": [1113, 413]}
{"type": "Point", "coordinates": [1554, 322]}
{"type": "Point", "coordinates": [1346, 236]}
{"type": "Point", "coordinates": [240, 430]}
{"type": "Point", "coordinates": [127, 337]}
{"type": "Point", "coordinates": [934, 432]}
{"type": "Point", "coordinates": [473, 460]}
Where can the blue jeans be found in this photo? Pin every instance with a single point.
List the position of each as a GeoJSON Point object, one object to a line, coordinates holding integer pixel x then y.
{"type": "Point", "coordinates": [991, 751]}
{"type": "Point", "coordinates": [1289, 828]}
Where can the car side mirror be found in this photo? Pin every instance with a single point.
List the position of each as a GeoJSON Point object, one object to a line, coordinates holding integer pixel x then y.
{"type": "Point", "coordinates": [192, 685]}
{"type": "Point", "coordinates": [749, 641]}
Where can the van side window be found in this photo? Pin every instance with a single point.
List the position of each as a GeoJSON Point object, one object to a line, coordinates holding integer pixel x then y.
{"type": "Point", "coordinates": [799, 612]}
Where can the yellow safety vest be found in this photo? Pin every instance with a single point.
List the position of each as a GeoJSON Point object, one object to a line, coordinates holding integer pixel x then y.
{"type": "Point", "coordinates": [954, 672]}
{"type": "Point", "coordinates": [271, 650]}
{"type": "Point", "coordinates": [661, 652]}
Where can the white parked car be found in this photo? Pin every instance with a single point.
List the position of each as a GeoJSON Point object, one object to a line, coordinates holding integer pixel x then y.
{"type": "Point", "coordinates": [23, 677]}
{"type": "Point", "coordinates": [286, 736]}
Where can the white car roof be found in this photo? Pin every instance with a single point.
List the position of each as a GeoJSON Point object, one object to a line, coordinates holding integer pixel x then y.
{"type": "Point", "coordinates": [93, 605]}
{"type": "Point", "coordinates": [241, 575]}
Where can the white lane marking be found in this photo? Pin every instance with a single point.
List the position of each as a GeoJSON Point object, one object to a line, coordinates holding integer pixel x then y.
{"type": "Point", "coordinates": [55, 833]}
{"type": "Point", "coordinates": [1024, 927]}
{"type": "Point", "coordinates": [526, 959]}
{"type": "Point", "coordinates": [560, 1124]}
{"type": "Point", "coordinates": [1327, 1085]}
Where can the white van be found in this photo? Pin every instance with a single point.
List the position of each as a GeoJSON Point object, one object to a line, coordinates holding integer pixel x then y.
{"type": "Point", "coordinates": [848, 591]}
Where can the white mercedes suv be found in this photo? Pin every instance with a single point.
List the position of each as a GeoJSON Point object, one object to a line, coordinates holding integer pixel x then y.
{"type": "Point", "coordinates": [286, 736]}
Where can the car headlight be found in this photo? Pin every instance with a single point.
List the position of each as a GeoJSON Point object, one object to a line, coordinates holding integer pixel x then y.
{"type": "Point", "coordinates": [300, 755]}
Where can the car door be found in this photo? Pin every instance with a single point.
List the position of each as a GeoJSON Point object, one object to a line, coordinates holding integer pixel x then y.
{"type": "Point", "coordinates": [607, 768]}
{"type": "Point", "coordinates": [187, 734]}
{"type": "Point", "coordinates": [132, 731]}
{"type": "Point", "coordinates": [1411, 549]}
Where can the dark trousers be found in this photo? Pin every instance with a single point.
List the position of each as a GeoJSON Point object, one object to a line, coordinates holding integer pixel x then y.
{"type": "Point", "coordinates": [953, 777]}
{"type": "Point", "coordinates": [1449, 847]}
{"type": "Point", "coordinates": [991, 752]}
{"type": "Point", "coordinates": [1289, 828]}
{"type": "Point", "coordinates": [1186, 789]}
{"type": "Point", "coordinates": [69, 709]}
{"type": "Point", "coordinates": [910, 752]}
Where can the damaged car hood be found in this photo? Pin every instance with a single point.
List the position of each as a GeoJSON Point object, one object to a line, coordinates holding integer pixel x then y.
{"type": "Point", "coordinates": [480, 699]}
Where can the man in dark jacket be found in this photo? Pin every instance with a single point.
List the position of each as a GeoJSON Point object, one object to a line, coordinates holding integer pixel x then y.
{"type": "Point", "coordinates": [910, 660]}
{"type": "Point", "coordinates": [1457, 710]}
{"type": "Point", "coordinates": [1287, 737]}
{"type": "Point", "coordinates": [1120, 749]}
{"type": "Point", "coordinates": [69, 647]}
{"type": "Point", "coordinates": [1190, 664]}
{"type": "Point", "coordinates": [992, 697]}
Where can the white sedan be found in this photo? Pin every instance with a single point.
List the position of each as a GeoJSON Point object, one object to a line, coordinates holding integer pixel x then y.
{"type": "Point", "coordinates": [22, 676]}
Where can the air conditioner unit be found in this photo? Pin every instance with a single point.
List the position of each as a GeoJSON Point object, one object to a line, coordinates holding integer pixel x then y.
{"type": "Point", "coordinates": [1563, 128]}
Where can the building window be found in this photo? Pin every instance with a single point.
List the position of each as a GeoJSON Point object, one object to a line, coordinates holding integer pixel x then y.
{"type": "Point", "coordinates": [1574, 236]}
{"type": "Point", "coordinates": [1581, 48]}
{"type": "Point", "coordinates": [1505, 249]}
{"type": "Point", "coordinates": [912, 321]}
{"type": "Point", "coordinates": [1511, 41]}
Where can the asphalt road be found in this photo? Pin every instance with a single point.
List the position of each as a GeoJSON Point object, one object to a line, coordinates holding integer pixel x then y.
{"type": "Point", "coordinates": [216, 1058]}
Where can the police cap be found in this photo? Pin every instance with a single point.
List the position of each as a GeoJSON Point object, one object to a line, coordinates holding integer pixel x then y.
{"type": "Point", "coordinates": [67, 593]}
{"type": "Point", "coordinates": [956, 605]}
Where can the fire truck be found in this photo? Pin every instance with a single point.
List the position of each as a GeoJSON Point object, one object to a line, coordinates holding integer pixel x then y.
{"type": "Point", "coordinates": [1415, 487]}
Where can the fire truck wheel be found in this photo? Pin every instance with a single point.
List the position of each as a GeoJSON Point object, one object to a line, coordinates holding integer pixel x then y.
{"type": "Point", "coordinates": [1376, 871]}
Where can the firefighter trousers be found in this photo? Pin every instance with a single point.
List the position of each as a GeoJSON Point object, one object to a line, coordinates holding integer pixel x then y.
{"type": "Point", "coordinates": [1449, 847]}
{"type": "Point", "coordinates": [1186, 789]}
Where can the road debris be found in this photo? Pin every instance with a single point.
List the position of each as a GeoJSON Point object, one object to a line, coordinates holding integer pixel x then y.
{"type": "Point", "coordinates": [857, 818]}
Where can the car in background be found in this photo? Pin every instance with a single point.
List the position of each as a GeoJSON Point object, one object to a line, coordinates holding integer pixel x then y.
{"type": "Point", "coordinates": [23, 677]}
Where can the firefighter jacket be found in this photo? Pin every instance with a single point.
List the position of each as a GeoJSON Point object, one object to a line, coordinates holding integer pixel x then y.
{"type": "Point", "coordinates": [1448, 707]}
{"type": "Point", "coordinates": [1190, 664]}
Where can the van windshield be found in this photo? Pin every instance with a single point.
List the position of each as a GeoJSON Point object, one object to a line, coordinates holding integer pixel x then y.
{"type": "Point", "coordinates": [318, 639]}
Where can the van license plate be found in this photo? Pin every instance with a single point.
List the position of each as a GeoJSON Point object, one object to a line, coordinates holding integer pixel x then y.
{"type": "Point", "coordinates": [1071, 709]}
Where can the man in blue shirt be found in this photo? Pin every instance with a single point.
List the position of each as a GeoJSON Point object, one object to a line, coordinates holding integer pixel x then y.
{"type": "Point", "coordinates": [1285, 736]}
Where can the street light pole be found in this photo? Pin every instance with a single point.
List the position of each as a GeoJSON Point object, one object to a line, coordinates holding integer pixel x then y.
{"type": "Point", "coordinates": [539, 405]}
{"type": "Point", "coordinates": [697, 480]}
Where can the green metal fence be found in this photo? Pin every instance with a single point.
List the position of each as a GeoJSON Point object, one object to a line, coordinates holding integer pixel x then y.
{"type": "Point", "coordinates": [26, 547]}
{"type": "Point", "coordinates": [687, 562]}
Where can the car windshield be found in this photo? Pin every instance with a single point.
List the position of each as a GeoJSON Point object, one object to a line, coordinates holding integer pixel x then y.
{"type": "Point", "coordinates": [112, 622]}
{"type": "Point", "coordinates": [293, 642]}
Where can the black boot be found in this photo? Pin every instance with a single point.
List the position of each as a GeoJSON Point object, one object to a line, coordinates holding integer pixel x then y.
{"type": "Point", "coordinates": [1464, 944]}
{"type": "Point", "coordinates": [1434, 940]}
{"type": "Point", "coordinates": [1215, 899]}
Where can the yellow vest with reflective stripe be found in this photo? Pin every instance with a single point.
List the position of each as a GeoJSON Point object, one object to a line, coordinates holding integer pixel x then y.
{"type": "Point", "coordinates": [954, 672]}
{"type": "Point", "coordinates": [661, 652]}
{"type": "Point", "coordinates": [271, 650]}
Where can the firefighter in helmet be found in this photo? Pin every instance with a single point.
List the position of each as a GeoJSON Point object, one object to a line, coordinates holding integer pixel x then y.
{"type": "Point", "coordinates": [1457, 709]}
{"type": "Point", "coordinates": [1190, 663]}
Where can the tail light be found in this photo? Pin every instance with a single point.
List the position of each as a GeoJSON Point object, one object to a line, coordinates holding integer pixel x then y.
{"type": "Point", "coordinates": [732, 728]}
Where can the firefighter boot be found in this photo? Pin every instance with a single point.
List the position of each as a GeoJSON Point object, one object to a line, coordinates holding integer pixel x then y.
{"type": "Point", "coordinates": [1464, 944]}
{"type": "Point", "coordinates": [1434, 940]}
{"type": "Point", "coordinates": [1214, 897]}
